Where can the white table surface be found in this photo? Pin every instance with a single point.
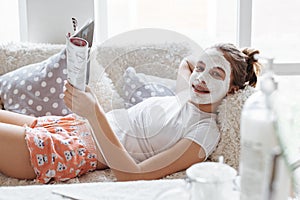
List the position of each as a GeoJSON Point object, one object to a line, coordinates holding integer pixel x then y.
{"type": "Point", "coordinates": [103, 190]}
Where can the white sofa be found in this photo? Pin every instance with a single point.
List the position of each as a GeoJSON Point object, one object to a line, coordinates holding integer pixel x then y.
{"type": "Point", "coordinates": [108, 64]}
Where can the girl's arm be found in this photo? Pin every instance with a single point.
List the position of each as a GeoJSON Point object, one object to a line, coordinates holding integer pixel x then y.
{"type": "Point", "coordinates": [179, 157]}
{"type": "Point", "coordinates": [185, 70]}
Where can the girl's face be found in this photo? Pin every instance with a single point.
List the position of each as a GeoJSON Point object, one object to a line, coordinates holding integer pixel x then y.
{"type": "Point", "coordinates": [210, 80]}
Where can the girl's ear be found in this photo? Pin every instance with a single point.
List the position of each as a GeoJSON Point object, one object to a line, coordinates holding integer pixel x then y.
{"type": "Point", "coordinates": [233, 89]}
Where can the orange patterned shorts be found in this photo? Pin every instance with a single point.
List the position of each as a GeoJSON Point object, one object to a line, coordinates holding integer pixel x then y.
{"type": "Point", "coordinates": [60, 148]}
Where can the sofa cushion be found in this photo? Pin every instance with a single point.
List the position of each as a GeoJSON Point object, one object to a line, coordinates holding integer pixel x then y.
{"type": "Point", "coordinates": [139, 86]}
{"type": "Point", "coordinates": [36, 89]}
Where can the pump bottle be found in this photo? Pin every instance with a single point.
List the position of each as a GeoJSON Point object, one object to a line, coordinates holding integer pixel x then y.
{"type": "Point", "coordinates": [261, 160]}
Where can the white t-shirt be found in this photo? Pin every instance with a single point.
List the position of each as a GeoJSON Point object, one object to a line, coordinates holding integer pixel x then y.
{"type": "Point", "coordinates": [157, 123]}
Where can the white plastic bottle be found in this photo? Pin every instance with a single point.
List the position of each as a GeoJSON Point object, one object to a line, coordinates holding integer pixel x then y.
{"type": "Point", "coordinates": [258, 143]}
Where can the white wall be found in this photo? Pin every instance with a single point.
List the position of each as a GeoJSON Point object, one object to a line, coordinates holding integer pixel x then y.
{"type": "Point", "coordinates": [9, 21]}
{"type": "Point", "coordinates": [48, 21]}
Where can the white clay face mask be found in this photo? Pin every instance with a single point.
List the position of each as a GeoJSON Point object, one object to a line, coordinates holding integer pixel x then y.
{"type": "Point", "coordinates": [207, 82]}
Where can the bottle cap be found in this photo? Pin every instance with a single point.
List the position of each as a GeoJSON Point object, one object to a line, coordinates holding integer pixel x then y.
{"type": "Point", "coordinates": [268, 83]}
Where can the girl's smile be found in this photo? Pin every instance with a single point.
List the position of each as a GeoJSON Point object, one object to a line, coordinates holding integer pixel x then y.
{"type": "Point", "coordinates": [201, 89]}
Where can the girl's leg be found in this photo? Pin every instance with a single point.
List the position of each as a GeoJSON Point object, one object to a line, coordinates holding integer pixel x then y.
{"type": "Point", "coordinates": [15, 118]}
{"type": "Point", "coordinates": [14, 154]}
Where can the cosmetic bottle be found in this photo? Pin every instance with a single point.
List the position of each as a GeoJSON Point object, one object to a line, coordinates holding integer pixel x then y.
{"type": "Point", "coordinates": [261, 168]}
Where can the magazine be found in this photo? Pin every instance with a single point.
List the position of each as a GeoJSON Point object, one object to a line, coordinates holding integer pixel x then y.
{"type": "Point", "coordinates": [86, 32]}
{"type": "Point", "coordinates": [78, 52]}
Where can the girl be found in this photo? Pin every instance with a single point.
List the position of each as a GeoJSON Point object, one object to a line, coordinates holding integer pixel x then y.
{"type": "Point", "coordinates": [150, 140]}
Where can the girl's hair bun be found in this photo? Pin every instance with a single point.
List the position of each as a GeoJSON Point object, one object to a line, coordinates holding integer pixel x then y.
{"type": "Point", "coordinates": [251, 55]}
{"type": "Point", "coordinates": [253, 66]}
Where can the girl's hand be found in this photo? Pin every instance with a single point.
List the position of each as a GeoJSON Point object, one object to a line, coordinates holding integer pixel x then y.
{"type": "Point", "coordinates": [190, 62]}
{"type": "Point", "coordinates": [80, 102]}
{"type": "Point", "coordinates": [185, 70]}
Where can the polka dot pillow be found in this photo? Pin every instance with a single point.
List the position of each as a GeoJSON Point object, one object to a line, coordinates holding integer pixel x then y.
{"type": "Point", "coordinates": [36, 89]}
{"type": "Point", "coordinates": [139, 86]}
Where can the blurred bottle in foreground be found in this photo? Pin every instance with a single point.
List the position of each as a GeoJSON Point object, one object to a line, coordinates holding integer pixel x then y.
{"type": "Point", "coordinates": [263, 170]}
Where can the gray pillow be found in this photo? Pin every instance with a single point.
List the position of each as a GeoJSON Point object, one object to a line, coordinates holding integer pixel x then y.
{"type": "Point", "coordinates": [139, 86]}
{"type": "Point", "coordinates": [36, 89]}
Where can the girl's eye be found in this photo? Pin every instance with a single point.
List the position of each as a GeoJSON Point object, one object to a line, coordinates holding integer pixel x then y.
{"type": "Point", "coordinates": [217, 74]}
{"type": "Point", "coordinates": [200, 68]}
